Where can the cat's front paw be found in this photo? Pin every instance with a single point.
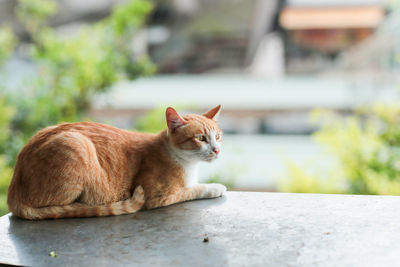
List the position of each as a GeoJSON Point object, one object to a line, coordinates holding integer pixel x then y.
{"type": "Point", "coordinates": [213, 190]}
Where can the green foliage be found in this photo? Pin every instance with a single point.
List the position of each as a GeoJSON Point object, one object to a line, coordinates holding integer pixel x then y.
{"type": "Point", "coordinates": [6, 114]}
{"type": "Point", "coordinates": [7, 43]}
{"type": "Point", "coordinates": [305, 179]}
{"type": "Point", "coordinates": [71, 70]}
{"type": "Point", "coordinates": [222, 178]}
{"type": "Point", "coordinates": [34, 13]}
{"type": "Point", "coordinates": [367, 148]}
{"type": "Point", "coordinates": [129, 16]}
{"type": "Point", "coordinates": [227, 175]}
{"type": "Point", "coordinates": [5, 178]}
{"type": "Point", "coordinates": [153, 122]}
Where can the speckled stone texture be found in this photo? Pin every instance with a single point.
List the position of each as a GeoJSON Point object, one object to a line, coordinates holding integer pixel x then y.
{"type": "Point", "coordinates": [243, 229]}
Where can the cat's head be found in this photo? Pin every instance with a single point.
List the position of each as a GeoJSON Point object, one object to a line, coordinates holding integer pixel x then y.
{"type": "Point", "coordinates": [195, 137]}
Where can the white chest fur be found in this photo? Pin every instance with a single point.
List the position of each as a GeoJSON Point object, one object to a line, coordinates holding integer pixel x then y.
{"type": "Point", "coordinates": [191, 174]}
{"type": "Point", "coordinates": [190, 167]}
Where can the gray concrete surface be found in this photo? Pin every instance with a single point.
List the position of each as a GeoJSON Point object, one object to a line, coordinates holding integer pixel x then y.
{"type": "Point", "coordinates": [244, 229]}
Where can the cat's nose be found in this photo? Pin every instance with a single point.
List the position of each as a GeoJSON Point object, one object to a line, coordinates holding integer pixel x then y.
{"type": "Point", "coordinates": [216, 150]}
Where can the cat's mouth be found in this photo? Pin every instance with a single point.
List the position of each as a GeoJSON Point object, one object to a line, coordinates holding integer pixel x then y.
{"type": "Point", "coordinates": [211, 157]}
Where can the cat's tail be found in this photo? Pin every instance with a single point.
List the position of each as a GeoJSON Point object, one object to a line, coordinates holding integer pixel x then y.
{"type": "Point", "coordinates": [130, 205]}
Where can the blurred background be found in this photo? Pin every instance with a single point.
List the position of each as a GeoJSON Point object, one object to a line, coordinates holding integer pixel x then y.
{"type": "Point", "coordinates": [309, 88]}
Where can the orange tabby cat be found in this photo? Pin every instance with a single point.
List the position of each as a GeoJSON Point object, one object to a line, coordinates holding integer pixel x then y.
{"type": "Point", "coordinates": [89, 169]}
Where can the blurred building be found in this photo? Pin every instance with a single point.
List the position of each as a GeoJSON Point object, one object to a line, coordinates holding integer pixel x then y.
{"type": "Point", "coordinates": [191, 36]}
{"type": "Point", "coordinates": [267, 38]}
{"type": "Point", "coordinates": [264, 38]}
{"type": "Point", "coordinates": [317, 31]}
{"type": "Point", "coordinates": [379, 54]}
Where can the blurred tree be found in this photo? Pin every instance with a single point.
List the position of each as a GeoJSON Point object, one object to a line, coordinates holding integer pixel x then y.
{"type": "Point", "coordinates": [70, 71]}
{"type": "Point", "coordinates": [153, 122]}
{"type": "Point", "coordinates": [5, 176]}
{"type": "Point", "coordinates": [6, 114]}
{"type": "Point", "coordinates": [7, 43]}
{"type": "Point", "coordinates": [367, 147]}
{"type": "Point", "coordinates": [34, 14]}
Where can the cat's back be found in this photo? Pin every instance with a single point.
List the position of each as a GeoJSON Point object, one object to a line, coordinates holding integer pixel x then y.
{"type": "Point", "coordinates": [99, 134]}
{"type": "Point", "coordinates": [79, 141]}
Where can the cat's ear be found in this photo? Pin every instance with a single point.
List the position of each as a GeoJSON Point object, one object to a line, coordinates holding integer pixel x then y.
{"type": "Point", "coordinates": [213, 113]}
{"type": "Point", "coordinates": [174, 121]}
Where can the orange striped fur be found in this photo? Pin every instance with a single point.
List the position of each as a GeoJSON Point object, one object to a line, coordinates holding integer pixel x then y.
{"type": "Point", "coordinates": [89, 169]}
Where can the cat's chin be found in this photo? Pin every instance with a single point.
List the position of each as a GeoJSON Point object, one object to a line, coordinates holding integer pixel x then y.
{"type": "Point", "coordinates": [210, 159]}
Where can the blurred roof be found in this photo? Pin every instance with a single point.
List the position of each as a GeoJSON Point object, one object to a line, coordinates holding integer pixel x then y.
{"type": "Point", "coordinates": [296, 18]}
{"type": "Point", "coordinates": [325, 3]}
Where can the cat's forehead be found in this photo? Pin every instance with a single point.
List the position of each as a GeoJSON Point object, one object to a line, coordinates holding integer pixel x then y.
{"type": "Point", "coordinates": [201, 125]}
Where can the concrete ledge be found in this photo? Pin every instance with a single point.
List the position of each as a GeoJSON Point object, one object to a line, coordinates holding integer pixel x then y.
{"type": "Point", "coordinates": [243, 229]}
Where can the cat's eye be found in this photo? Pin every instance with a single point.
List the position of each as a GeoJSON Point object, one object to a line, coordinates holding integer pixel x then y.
{"type": "Point", "coordinates": [217, 136]}
{"type": "Point", "coordinates": [201, 138]}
